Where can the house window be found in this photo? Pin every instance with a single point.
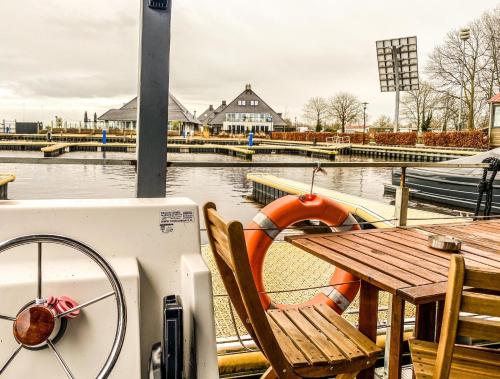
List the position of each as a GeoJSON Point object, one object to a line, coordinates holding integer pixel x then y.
{"type": "Point", "coordinates": [254, 103]}
{"type": "Point", "coordinates": [242, 102]}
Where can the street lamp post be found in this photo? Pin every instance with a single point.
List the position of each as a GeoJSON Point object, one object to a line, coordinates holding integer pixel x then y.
{"type": "Point", "coordinates": [464, 36]}
{"type": "Point", "coordinates": [364, 120]}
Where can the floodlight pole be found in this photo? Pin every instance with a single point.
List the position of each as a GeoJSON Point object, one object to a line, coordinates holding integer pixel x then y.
{"type": "Point", "coordinates": [395, 60]}
{"type": "Point", "coordinates": [464, 36]}
{"type": "Point", "coordinates": [152, 99]}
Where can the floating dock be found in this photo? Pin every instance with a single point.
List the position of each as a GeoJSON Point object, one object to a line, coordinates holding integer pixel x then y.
{"type": "Point", "coordinates": [234, 151]}
{"type": "Point", "coordinates": [267, 188]}
{"type": "Point", "coordinates": [411, 153]}
{"type": "Point", "coordinates": [5, 179]}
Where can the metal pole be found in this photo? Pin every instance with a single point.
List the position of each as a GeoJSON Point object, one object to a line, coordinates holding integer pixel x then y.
{"type": "Point", "coordinates": [464, 36]}
{"type": "Point", "coordinates": [395, 59]}
{"type": "Point", "coordinates": [462, 89]}
{"type": "Point", "coordinates": [364, 121]}
{"type": "Point", "coordinates": [152, 102]}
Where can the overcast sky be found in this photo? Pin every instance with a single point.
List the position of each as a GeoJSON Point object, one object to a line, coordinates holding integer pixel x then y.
{"type": "Point", "coordinates": [65, 57]}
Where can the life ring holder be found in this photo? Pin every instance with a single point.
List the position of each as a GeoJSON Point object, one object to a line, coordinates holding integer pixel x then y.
{"type": "Point", "coordinates": [284, 212]}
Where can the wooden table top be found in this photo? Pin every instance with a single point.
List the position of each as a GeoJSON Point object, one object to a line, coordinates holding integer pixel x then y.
{"type": "Point", "coordinates": [399, 260]}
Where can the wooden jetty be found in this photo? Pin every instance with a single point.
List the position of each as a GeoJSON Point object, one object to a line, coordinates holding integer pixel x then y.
{"type": "Point", "coordinates": [267, 188]}
{"type": "Point", "coordinates": [55, 149]}
{"type": "Point", "coordinates": [5, 179]}
{"type": "Point", "coordinates": [411, 153]}
{"type": "Point", "coordinates": [314, 152]}
{"type": "Point", "coordinates": [234, 151]}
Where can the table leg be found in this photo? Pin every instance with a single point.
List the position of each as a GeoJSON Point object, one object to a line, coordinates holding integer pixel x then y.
{"type": "Point", "coordinates": [396, 342]}
{"type": "Point", "coordinates": [368, 319]}
{"type": "Point", "coordinates": [439, 318]}
{"type": "Point", "coordinates": [425, 322]}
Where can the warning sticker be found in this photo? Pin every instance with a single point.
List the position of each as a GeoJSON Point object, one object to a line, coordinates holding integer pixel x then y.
{"type": "Point", "coordinates": [168, 219]}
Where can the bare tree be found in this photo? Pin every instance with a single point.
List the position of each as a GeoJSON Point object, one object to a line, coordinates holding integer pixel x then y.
{"type": "Point", "coordinates": [445, 66]}
{"type": "Point", "coordinates": [383, 122]}
{"type": "Point", "coordinates": [316, 110]}
{"type": "Point", "coordinates": [344, 108]}
{"type": "Point", "coordinates": [490, 26]}
{"type": "Point", "coordinates": [417, 104]}
{"type": "Point", "coordinates": [446, 110]}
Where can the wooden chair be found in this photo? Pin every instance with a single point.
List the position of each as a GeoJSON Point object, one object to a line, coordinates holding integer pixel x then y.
{"type": "Point", "coordinates": [448, 360]}
{"type": "Point", "coordinates": [306, 342]}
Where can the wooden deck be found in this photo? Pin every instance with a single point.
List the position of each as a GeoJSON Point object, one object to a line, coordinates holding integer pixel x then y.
{"type": "Point", "coordinates": [376, 212]}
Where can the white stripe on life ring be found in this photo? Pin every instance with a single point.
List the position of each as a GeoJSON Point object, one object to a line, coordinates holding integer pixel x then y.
{"type": "Point", "coordinates": [268, 226]}
{"type": "Point", "coordinates": [337, 297]}
{"type": "Point", "coordinates": [349, 221]}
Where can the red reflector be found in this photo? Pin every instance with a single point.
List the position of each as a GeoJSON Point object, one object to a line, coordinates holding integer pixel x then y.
{"type": "Point", "coordinates": [309, 197]}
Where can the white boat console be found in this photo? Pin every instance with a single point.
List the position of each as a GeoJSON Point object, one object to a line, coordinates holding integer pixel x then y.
{"type": "Point", "coordinates": [152, 245]}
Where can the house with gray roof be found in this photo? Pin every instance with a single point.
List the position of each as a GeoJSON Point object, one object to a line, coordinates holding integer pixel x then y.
{"type": "Point", "coordinates": [246, 113]}
{"type": "Point", "coordinates": [126, 117]}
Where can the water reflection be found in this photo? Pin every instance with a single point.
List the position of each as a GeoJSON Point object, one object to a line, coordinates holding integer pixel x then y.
{"type": "Point", "coordinates": [227, 187]}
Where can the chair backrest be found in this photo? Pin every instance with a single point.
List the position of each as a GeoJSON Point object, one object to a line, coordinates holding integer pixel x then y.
{"type": "Point", "coordinates": [482, 299]}
{"type": "Point", "coordinates": [227, 242]}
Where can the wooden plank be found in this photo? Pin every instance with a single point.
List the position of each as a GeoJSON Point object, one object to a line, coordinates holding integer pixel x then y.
{"type": "Point", "coordinates": [404, 261]}
{"type": "Point", "coordinates": [224, 253]}
{"type": "Point", "coordinates": [436, 264]}
{"type": "Point", "coordinates": [365, 255]}
{"type": "Point", "coordinates": [468, 238]}
{"type": "Point", "coordinates": [435, 256]}
{"type": "Point", "coordinates": [484, 304]}
{"type": "Point", "coordinates": [484, 279]}
{"type": "Point", "coordinates": [215, 219]}
{"type": "Point", "coordinates": [466, 248]}
{"type": "Point", "coordinates": [477, 355]}
{"type": "Point", "coordinates": [347, 329]}
{"type": "Point", "coordinates": [311, 352]}
{"type": "Point", "coordinates": [349, 349]}
{"type": "Point", "coordinates": [362, 271]}
{"type": "Point", "coordinates": [424, 294]}
{"type": "Point", "coordinates": [397, 331]}
{"type": "Point", "coordinates": [318, 339]}
{"type": "Point", "coordinates": [291, 352]}
{"type": "Point", "coordinates": [417, 243]}
{"type": "Point", "coordinates": [488, 330]}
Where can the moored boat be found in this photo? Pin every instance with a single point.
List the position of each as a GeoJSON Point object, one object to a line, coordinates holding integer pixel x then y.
{"type": "Point", "coordinates": [457, 187]}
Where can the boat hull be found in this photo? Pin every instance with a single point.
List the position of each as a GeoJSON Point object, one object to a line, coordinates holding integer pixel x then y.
{"type": "Point", "coordinates": [458, 191]}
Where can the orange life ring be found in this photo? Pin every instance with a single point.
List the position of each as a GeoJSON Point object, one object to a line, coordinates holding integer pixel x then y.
{"type": "Point", "coordinates": [287, 211]}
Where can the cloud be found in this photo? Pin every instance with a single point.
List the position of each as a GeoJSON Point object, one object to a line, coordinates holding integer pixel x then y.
{"type": "Point", "coordinates": [79, 54]}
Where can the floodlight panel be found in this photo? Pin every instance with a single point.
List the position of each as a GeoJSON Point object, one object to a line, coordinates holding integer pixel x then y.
{"type": "Point", "coordinates": [407, 55]}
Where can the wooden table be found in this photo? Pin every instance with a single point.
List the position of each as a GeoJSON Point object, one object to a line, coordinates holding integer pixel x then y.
{"type": "Point", "coordinates": [400, 262]}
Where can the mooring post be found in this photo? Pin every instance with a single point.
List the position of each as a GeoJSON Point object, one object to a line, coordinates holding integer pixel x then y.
{"type": "Point", "coordinates": [401, 201]}
{"type": "Point", "coordinates": [152, 99]}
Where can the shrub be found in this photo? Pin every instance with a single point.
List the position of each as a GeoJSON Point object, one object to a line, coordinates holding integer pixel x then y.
{"type": "Point", "coordinates": [311, 136]}
{"type": "Point", "coordinates": [473, 139]}
{"type": "Point", "coordinates": [398, 139]}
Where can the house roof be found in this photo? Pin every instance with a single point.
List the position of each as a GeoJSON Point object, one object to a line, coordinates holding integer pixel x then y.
{"type": "Point", "coordinates": [208, 115]}
{"type": "Point", "coordinates": [248, 94]}
{"type": "Point", "coordinates": [176, 112]}
{"type": "Point", "coordinates": [495, 99]}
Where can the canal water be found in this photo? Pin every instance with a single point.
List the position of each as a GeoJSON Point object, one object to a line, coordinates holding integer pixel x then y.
{"type": "Point", "coordinates": [227, 187]}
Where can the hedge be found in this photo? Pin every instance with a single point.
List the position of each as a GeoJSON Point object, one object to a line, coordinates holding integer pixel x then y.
{"type": "Point", "coordinates": [473, 139]}
{"type": "Point", "coordinates": [319, 137]}
{"type": "Point", "coordinates": [399, 139]}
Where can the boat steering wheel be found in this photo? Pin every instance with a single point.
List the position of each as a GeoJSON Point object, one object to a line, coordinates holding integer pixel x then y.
{"type": "Point", "coordinates": [34, 326]}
